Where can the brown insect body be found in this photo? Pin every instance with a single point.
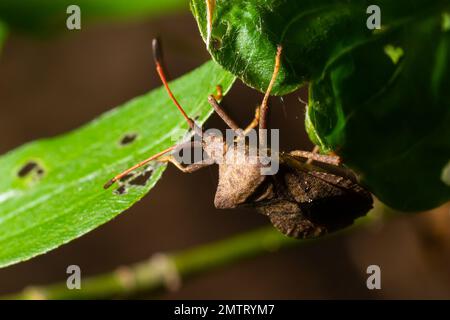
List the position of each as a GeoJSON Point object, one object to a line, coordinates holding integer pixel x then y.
{"type": "Point", "coordinates": [301, 200]}
{"type": "Point", "coordinates": [307, 202]}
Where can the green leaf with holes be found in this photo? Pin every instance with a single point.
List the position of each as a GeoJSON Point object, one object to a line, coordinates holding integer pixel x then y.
{"type": "Point", "coordinates": [51, 191]}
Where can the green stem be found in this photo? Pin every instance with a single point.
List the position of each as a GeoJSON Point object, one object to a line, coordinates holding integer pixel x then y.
{"type": "Point", "coordinates": [164, 270]}
{"type": "Point", "coordinates": [167, 270]}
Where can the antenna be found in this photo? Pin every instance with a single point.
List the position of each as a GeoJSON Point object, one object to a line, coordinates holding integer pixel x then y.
{"type": "Point", "coordinates": [140, 164]}
{"type": "Point", "coordinates": [157, 57]}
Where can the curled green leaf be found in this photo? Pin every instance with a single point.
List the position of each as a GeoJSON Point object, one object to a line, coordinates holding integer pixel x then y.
{"type": "Point", "coordinates": [244, 35]}
{"type": "Point", "coordinates": [389, 118]}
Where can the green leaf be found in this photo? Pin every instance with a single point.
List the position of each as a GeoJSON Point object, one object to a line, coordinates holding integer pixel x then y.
{"type": "Point", "coordinates": [51, 191]}
{"type": "Point", "coordinates": [39, 16]}
{"type": "Point", "coordinates": [378, 98]}
{"type": "Point", "coordinates": [3, 35]}
{"type": "Point", "coordinates": [385, 107]}
{"type": "Point", "coordinates": [313, 33]}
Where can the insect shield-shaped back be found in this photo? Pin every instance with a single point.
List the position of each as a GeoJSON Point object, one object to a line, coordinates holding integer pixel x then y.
{"type": "Point", "coordinates": [301, 201]}
{"type": "Point", "coordinates": [239, 177]}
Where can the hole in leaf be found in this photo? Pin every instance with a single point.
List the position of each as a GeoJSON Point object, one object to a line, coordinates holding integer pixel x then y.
{"type": "Point", "coordinates": [128, 138]}
{"type": "Point", "coordinates": [133, 180]}
{"type": "Point", "coordinates": [126, 177]}
{"type": "Point", "coordinates": [120, 190]}
{"type": "Point", "coordinates": [29, 167]}
{"type": "Point", "coordinates": [141, 179]}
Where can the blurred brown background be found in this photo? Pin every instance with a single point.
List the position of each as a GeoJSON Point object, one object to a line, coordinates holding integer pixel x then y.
{"type": "Point", "coordinates": [51, 85]}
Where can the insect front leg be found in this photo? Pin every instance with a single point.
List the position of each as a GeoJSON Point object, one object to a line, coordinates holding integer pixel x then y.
{"type": "Point", "coordinates": [219, 94]}
{"type": "Point", "coordinates": [177, 163]}
{"type": "Point", "coordinates": [186, 169]}
{"type": "Point", "coordinates": [315, 150]}
{"type": "Point", "coordinates": [221, 113]}
{"type": "Point", "coordinates": [329, 159]}
{"type": "Point", "coordinates": [254, 122]}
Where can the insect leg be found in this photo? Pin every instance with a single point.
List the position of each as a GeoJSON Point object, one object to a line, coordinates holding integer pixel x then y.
{"type": "Point", "coordinates": [251, 126]}
{"type": "Point", "coordinates": [219, 94]}
{"type": "Point", "coordinates": [152, 158]}
{"type": "Point", "coordinates": [189, 168]}
{"type": "Point", "coordinates": [210, 4]}
{"type": "Point", "coordinates": [329, 159]}
{"type": "Point", "coordinates": [136, 166]}
{"type": "Point", "coordinates": [186, 169]}
{"type": "Point", "coordinates": [222, 114]}
{"type": "Point", "coordinates": [315, 150]}
{"type": "Point", "coordinates": [254, 122]}
{"type": "Point", "coordinates": [264, 107]}
{"type": "Point", "coordinates": [212, 99]}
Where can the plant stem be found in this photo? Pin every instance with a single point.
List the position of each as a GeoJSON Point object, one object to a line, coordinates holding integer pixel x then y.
{"type": "Point", "coordinates": [164, 269]}
{"type": "Point", "coordinates": [167, 270]}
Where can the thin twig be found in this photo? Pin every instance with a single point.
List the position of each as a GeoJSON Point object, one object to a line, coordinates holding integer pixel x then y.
{"type": "Point", "coordinates": [165, 271]}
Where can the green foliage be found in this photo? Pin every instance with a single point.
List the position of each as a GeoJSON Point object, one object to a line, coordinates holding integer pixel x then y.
{"type": "Point", "coordinates": [245, 34]}
{"type": "Point", "coordinates": [3, 35]}
{"type": "Point", "coordinates": [40, 16]}
{"type": "Point", "coordinates": [390, 119]}
{"type": "Point", "coordinates": [51, 190]}
{"type": "Point", "coordinates": [378, 98]}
